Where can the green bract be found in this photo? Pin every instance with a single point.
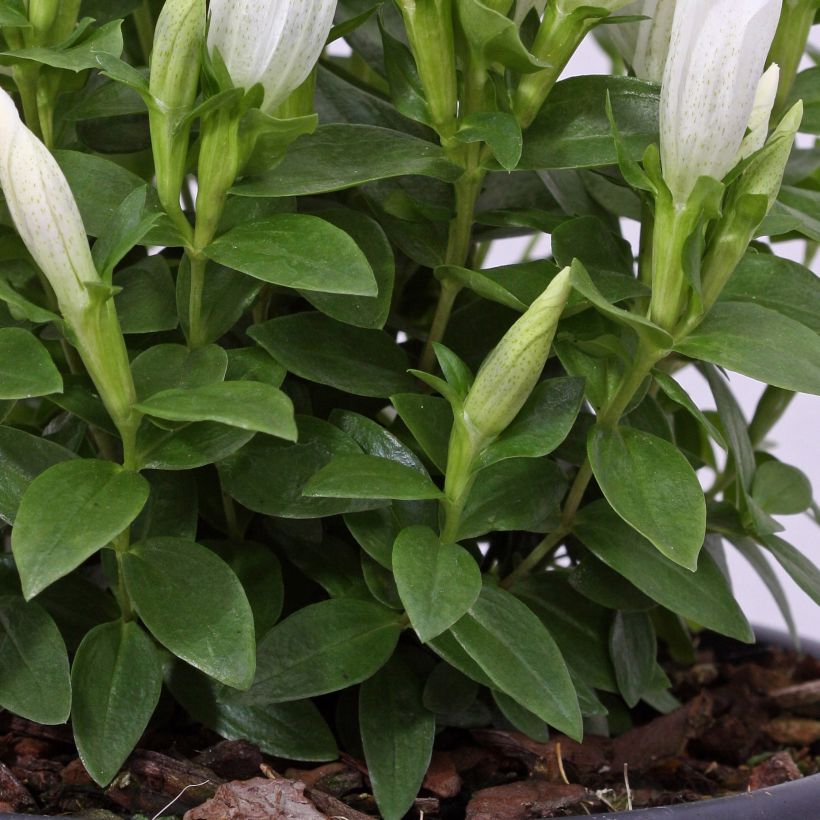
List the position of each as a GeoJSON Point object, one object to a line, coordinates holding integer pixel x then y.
{"type": "Point", "coordinates": [279, 439]}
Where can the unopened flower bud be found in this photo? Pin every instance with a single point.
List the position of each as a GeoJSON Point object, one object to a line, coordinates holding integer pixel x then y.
{"type": "Point", "coordinates": [511, 371]}
{"type": "Point", "coordinates": [41, 15]}
{"type": "Point", "coordinates": [644, 45]}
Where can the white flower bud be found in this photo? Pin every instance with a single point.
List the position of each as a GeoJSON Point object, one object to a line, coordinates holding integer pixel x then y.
{"type": "Point", "coordinates": [716, 58]}
{"type": "Point", "coordinates": [273, 42]}
{"type": "Point", "coordinates": [645, 45]}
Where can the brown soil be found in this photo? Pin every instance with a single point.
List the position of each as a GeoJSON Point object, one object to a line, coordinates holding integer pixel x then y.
{"type": "Point", "coordinates": [750, 721]}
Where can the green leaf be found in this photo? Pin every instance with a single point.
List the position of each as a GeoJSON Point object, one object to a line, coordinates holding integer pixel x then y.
{"type": "Point", "coordinates": [361, 311]}
{"type": "Point", "coordinates": [22, 308]}
{"type": "Point", "coordinates": [802, 571]}
{"type": "Point", "coordinates": [117, 679]}
{"type": "Point", "coordinates": [758, 342]}
{"type": "Point", "coordinates": [633, 647]}
{"type": "Point", "coordinates": [254, 365]}
{"type": "Point", "coordinates": [580, 627]}
{"type": "Point", "coordinates": [678, 395]}
{"type": "Point", "coordinates": [494, 38]}
{"type": "Point", "coordinates": [247, 405]}
{"type": "Point", "coordinates": [397, 735]}
{"type": "Point", "coordinates": [26, 368]}
{"type": "Point", "coordinates": [481, 284]}
{"type": "Point", "coordinates": [174, 367]}
{"type": "Point", "coordinates": [172, 508]}
{"type": "Point", "coordinates": [543, 423]}
{"type": "Point", "coordinates": [703, 596]}
{"type": "Point", "coordinates": [322, 648]}
{"type": "Point", "coordinates": [780, 489]}
{"type": "Point", "coordinates": [516, 494]}
{"type": "Point", "coordinates": [196, 445]}
{"type": "Point", "coordinates": [597, 582]}
{"type": "Point", "coordinates": [34, 679]}
{"type": "Point", "coordinates": [437, 582]}
{"type": "Point", "coordinates": [68, 513]}
{"type": "Point", "coordinates": [516, 652]}
{"type": "Point", "coordinates": [296, 251]}
{"type": "Point", "coordinates": [268, 475]}
{"type": "Point", "coordinates": [499, 130]}
{"type": "Point", "coordinates": [521, 719]}
{"type": "Point", "coordinates": [652, 486]}
{"type": "Point", "coordinates": [80, 56]}
{"type": "Point", "coordinates": [147, 301]}
{"type": "Point", "coordinates": [586, 287]}
{"type": "Point", "coordinates": [23, 457]}
{"type": "Point", "coordinates": [364, 476]}
{"type": "Point", "coordinates": [13, 14]}
{"type": "Point", "coordinates": [295, 731]}
{"type": "Point", "coordinates": [355, 360]}
{"type": "Point", "coordinates": [430, 420]}
{"type": "Point", "coordinates": [778, 284]}
{"type": "Point", "coordinates": [194, 605]}
{"type": "Point", "coordinates": [572, 129]}
{"type": "Point", "coordinates": [342, 156]}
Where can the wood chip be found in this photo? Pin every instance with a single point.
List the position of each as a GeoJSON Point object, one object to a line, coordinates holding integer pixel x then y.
{"type": "Point", "coordinates": [442, 779]}
{"type": "Point", "coordinates": [525, 800]}
{"type": "Point", "coordinates": [803, 694]}
{"type": "Point", "coordinates": [779, 768]}
{"type": "Point", "coordinates": [232, 759]}
{"type": "Point", "coordinates": [793, 731]}
{"type": "Point", "coordinates": [13, 793]}
{"type": "Point", "coordinates": [258, 799]}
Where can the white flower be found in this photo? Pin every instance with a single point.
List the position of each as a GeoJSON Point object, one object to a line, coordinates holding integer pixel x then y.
{"type": "Point", "coordinates": [761, 113]}
{"type": "Point", "coordinates": [716, 60]}
{"type": "Point", "coordinates": [273, 42]}
{"type": "Point", "coordinates": [44, 211]}
{"type": "Point", "coordinates": [644, 45]}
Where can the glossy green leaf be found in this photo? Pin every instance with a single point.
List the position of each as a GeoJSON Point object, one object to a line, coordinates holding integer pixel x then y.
{"type": "Point", "coordinates": [758, 342]}
{"type": "Point", "coordinates": [515, 494]}
{"type": "Point", "coordinates": [68, 513]}
{"type": "Point", "coordinates": [480, 284]}
{"type": "Point", "coordinates": [323, 648]}
{"type": "Point", "coordinates": [196, 445]}
{"type": "Point", "coordinates": [361, 311]}
{"type": "Point", "coordinates": [26, 368]}
{"type": "Point", "coordinates": [652, 486]}
{"type": "Point", "coordinates": [437, 582]}
{"type": "Point", "coordinates": [295, 730]}
{"type": "Point", "coordinates": [633, 647]}
{"type": "Point", "coordinates": [599, 583]}
{"type": "Point", "coordinates": [364, 476]}
{"type": "Point", "coordinates": [781, 489]}
{"type": "Point", "coordinates": [194, 605]}
{"type": "Point", "coordinates": [499, 130]}
{"type": "Point", "coordinates": [268, 475]}
{"type": "Point", "coordinates": [342, 156]}
{"type": "Point", "coordinates": [358, 361]}
{"type": "Point", "coordinates": [521, 719]}
{"type": "Point", "coordinates": [147, 301]}
{"type": "Point", "coordinates": [22, 458]}
{"type": "Point", "coordinates": [543, 423]}
{"type": "Point", "coordinates": [244, 404]}
{"type": "Point", "coordinates": [172, 507]}
{"type": "Point", "coordinates": [397, 734]}
{"type": "Point", "coordinates": [512, 647]}
{"type": "Point", "coordinates": [174, 367]}
{"type": "Point", "coordinates": [703, 596]}
{"type": "Point", "coordinates": [678, 395]}
{"type": "Point", "coordinates": [117, 679]}
{"type": "Point", "coordinates": [572, 129]}
{"type": "Point", "coordinates": [296, 251]}
{"type": "Point", "coordinates": [34, 678]}
{"type": "Point", "coordinates": [430, 420]}
{"type": "Point", "coordinates": [254, 365]}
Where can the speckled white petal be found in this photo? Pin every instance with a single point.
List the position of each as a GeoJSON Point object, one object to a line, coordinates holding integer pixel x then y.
{"type": "Point", "coordinates": [716, 58]}
{"type": "Point", "coordinates": [306, 25]}
{"type": "Point", "coordinates": [652, 45]}
{"type": "Point", "coordinates": [44, 210]}
{"type": "Point", "coordinates": [247, 33]}
{"type": "Point", "coordinates": [761, 113]}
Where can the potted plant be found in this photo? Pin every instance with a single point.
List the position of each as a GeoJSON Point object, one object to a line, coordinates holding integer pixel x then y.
{"type": "Point", "coordinates": [277, 442]}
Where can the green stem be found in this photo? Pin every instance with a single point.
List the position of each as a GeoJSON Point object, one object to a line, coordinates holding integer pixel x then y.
{"type": "Point", "coordinates": [670, 232]}
{"type": "Point", "coordinates": [789, 46]}
{"type": "Point", "coordinates": [198, 264]}
{"type": "Point", "coordinates": [26, 79]}
{"type": "Point", "coordinates": [121, 544]}
{"type": "Point", "coordinates": [609, 415]}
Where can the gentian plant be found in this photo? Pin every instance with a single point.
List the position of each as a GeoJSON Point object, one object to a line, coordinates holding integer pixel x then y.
{"type": "Point", "coordinates": [276, 437]}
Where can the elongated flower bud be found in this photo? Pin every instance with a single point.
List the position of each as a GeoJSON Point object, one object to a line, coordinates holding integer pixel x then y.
{"type": "Point", "coordinates": [512, 369]}
{"type": "Point", "coordinates": [41, 15]}
{"type": "Point", "coordinates": [645, 45]}
{"type": "Point", "coordinates": [272, 42]}
{"type": "Point", "coordinates": [49, 223]}
{"type": "Point", "coordinates": [716, 58]}
{"type": "Point", "coordinates": [175, 64]}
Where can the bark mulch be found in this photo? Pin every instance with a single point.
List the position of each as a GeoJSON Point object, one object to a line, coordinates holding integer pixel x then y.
{"type": "Point", "coordinates": [748, 722]}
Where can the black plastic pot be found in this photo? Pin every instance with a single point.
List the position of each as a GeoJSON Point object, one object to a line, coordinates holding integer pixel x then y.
{"type": "Point", "coordinates": [799, 800]}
